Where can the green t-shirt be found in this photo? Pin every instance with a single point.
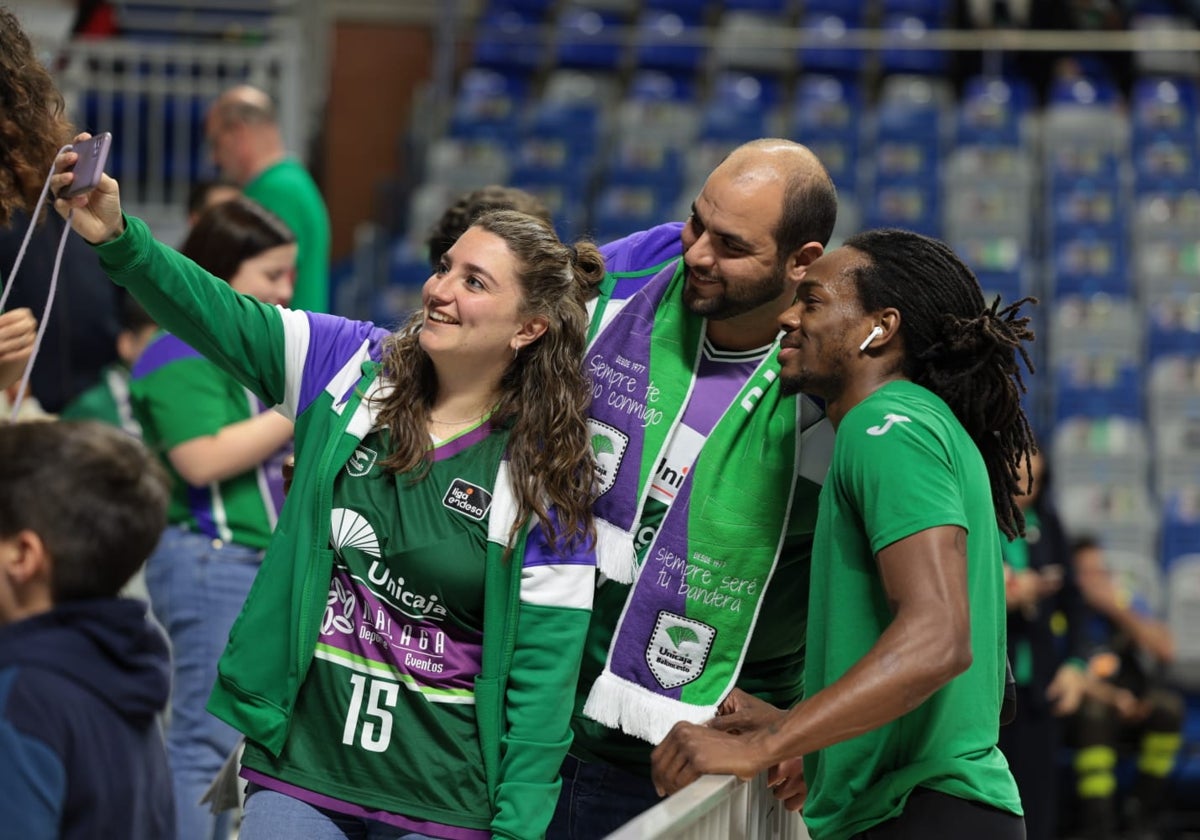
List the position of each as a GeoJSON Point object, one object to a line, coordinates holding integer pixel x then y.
{"type": "Point", "coordinates": [902, 463]}
{"type": "Point", "coordinates": [288, 191]}
{"type": "Point", "coordinates": [385, 718]}
{"type": "Point", "coordinates": [178, 396]}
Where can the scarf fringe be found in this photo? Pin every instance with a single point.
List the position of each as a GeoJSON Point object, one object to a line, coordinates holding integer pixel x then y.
{"type": "Point", "coordinates": [615, 557]}
{"type": "Point", "coordinates": [636, 711]}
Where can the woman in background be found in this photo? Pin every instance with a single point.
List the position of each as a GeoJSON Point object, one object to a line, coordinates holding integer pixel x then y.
{"type": "Point", "coordinates": [406, 660]}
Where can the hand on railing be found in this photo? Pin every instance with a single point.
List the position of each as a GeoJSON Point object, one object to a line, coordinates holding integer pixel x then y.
{"type": "Point", "coordinates": [729, 743]}
{"type": "Point", "coordinates": [742, 713]}
{"type": "Point", "coordinates": [690, 751]}
{"type": "Point", "coordinates": [97, 217]}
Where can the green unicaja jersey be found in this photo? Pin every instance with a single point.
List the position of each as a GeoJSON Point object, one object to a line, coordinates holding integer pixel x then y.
{"type": "Point", "coordinates": [385, 719]}
{"type": "Point", "coordinates": [902, 463]}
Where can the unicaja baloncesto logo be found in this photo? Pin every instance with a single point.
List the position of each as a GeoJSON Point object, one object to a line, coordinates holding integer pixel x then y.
{"type": "Point", "coordinates": [467, 498]}
{"type": "Point", "coordinates": [678, 649]}
{"type": "Point", "coordinates": [608, 447]}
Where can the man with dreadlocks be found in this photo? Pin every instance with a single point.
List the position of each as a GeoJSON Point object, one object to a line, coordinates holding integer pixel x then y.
{"type": "Point", "coordinates": [906, 623]}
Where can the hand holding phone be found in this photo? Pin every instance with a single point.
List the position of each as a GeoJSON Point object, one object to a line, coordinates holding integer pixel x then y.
{"type": "Point", "coordinates": [93, 154]}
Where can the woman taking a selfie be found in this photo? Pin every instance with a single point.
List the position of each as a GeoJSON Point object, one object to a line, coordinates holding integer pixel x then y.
{"type": "Point", "coordinates": [405, 662]}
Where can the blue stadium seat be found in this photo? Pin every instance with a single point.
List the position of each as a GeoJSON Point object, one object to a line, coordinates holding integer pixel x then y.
{"type": "Point", "coordinates": [902, 53]}
{"type": "Point", "coordinates": [657, 86]}
{"type": "Point", "coordinates": [1094, 91]}
{"type": "Point", "coordinates": [1088, 261]}
{"type": "Point", "coordinates": [666, 40]}
{"type": "Point", "coordinates": [1011, 286]}
{"type": "Point", "coordinates": [1086, 203]}
{"type": "Point", "coordinates": [992, 111]}
{"type": "Point", "coordinates": [827, 102]}
{"type": "Point", "coordinates": [1097, 388]}
{"type": "Point", "coordinates": [488, 103]}
{"type": "Point", "coordinates": [576, 123]}
{"type": "Point", "coordinates": [633, 162]}
{"type": "Point", "coordinates": [1065, 163]}
{"type": "Point", "coordinates": [777, 6]}
{"type": "Point", "coordinates": [851, 11]}
{"type": "Point", "coordinates": [1180, 526]}
{"type": "Point", "coordinates": [739, 108]}
{"type": "Point", "coordinates": [1173, 324]}
{"type": "Point", "coordinates": [508, 40]}
{"type": "Point", "coordinates": [839, 153]}
{"type": "Point", "coordinates": [690, 10]}
{"type": "Point", "coordinates": [622, 209]}
{"type": "Point", "coordinates": [931, 11]}
{"type": "Point", "coordinates": [905, 118]}
{"type": "Point", "coordinates": [825, 117]}
{"type": "Point", "coordinates": [1162, 160]}
{"type": "Point", "coordinates": [1164, 105]}
{"type": "Point", "coordinates": [905, 203]}
{"type": "Point", "coordinates": [534, 8]}
{"type": "Point", "coordinates": [829, 52]}
{"type": "Point", "coordinates": [745, 91]}
{"type": "Point", "coordinates": [588, 38]}
{"type": "Point", "coordinates": [564, 198]}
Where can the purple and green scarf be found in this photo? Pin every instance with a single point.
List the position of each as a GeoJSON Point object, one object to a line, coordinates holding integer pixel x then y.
{"type": "Point", "coordinates": [690, 614]}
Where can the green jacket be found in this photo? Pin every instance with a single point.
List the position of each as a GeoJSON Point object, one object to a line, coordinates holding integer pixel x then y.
{"type": "Point", "coordinates": [320, 369]}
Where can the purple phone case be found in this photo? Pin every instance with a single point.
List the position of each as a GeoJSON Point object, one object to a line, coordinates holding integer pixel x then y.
{"type": "Point", "coordinates": [93, 154]}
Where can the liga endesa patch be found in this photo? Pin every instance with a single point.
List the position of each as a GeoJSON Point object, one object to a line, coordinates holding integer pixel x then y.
{"type": "Point", "coordinates": [468, 499]}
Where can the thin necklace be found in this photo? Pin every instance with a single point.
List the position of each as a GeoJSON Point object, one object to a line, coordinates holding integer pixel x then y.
{"type": "Point", "coordinates": [479, 416]}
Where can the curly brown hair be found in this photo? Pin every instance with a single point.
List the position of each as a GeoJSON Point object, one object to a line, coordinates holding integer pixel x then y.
{"type": "Point", "coordinates": [33, 125]}
{"type": "Point", "coordinates": [470, 206]}
{"type": "Point", "coordinates": [544, 393]}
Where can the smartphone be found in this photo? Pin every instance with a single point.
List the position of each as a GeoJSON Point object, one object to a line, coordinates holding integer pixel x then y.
{"type": "Point", "coordinates": [93, 154]}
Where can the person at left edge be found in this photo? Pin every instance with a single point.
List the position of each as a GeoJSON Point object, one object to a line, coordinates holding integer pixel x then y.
{"type": "Point", "coordinates": [432, 569]}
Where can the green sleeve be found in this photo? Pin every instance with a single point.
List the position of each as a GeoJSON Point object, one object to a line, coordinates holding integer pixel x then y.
{"type": "Point", "coordinates": [538, 706]}
{"type": "Point", "coordinates": [885, 471]}
{"type": "Point", "coordinates": [238, 333]}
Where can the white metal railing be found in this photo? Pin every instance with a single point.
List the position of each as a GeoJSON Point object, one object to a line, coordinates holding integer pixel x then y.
{"type": "Point", "coordinates": [153, 97]}
{"type": "Point", "coordinates": [717, 808]}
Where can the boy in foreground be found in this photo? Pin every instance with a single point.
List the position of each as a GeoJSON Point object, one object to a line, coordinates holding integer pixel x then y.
{"type": "Point", "coordinates": [83, 673]}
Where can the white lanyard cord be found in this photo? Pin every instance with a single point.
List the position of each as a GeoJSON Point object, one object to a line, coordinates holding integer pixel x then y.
{"type": "Point", "coordinates": [12, 277]}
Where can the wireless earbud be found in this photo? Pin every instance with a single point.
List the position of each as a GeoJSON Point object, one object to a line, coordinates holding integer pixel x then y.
{"type": "Point", "coordinates": [876, 331]}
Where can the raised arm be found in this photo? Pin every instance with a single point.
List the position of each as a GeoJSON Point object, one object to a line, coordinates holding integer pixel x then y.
{"type": "Point", "coordinates": [240, 334]}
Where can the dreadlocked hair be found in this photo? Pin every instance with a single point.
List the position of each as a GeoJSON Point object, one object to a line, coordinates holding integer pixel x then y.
{"type": "Point", "coordinates": [958, 347]}
{"type": "Point", "coordinates": [544, 392]}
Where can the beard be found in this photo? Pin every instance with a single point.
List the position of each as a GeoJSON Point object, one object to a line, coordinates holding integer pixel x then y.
{"type": "Point", "coordinates": [731, 302]}
{"type": "Point", "coordinates": [805, 380]}
{"type": "Point", "coordinates": [791, 384]}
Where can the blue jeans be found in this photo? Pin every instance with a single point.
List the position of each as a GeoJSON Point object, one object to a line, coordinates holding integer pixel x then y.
{"type": "Point", "coordinates": [271, 815]}
{"type": "Point", "coordinates": [598, 798]}
{"type": "Point", "coordinates": [197, 587]}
